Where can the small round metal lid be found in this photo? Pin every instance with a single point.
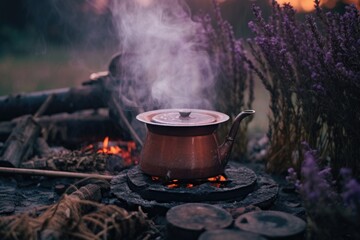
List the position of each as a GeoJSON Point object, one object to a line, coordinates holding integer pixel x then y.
{"type": "Point", "coordinates": [182, 117]}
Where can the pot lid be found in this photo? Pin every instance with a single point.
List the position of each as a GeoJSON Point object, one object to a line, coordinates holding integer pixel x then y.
{"type": "Point", "coordinates": [182, 117]}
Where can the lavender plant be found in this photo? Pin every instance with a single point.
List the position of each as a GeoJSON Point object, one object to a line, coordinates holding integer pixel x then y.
{"type": "Point", "coordinates": [311, 69]}
{"type": "Point", "coordinates": [331, 215]}
{"type": "Point", "coordinates": [235, 83]}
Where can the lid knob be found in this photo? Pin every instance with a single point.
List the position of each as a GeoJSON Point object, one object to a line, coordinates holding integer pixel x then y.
{"type": "Point", "coordinates": [184, 114]}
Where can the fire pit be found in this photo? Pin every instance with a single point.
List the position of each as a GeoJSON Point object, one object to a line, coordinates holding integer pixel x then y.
{"type": "Point", "coordinates": [241, 187]}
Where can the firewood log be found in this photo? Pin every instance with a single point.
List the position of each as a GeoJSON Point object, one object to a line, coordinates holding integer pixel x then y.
{"type": "Point", "coordinates": [20, 143]}
{"type": "Point", "coordinates": [65, 100]}
{"type": "Point", "coordinates": [73, 130]}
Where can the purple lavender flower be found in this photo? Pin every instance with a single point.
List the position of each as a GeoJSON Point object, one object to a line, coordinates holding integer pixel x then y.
{"type": "Point", "coordinates": [316, 184]}
{"type": "Point", "coordinates": [311, 69]}
{"type": "Point", "coordinates": [351, 193]}
{"type": "Point", "coordinates": [318, 88]}
{"type": "Point", "coordinates": [292, 178]}
{"type": "Point", "coordinates": [234, 82]}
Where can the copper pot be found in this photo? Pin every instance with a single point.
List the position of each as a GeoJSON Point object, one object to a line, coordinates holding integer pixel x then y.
{"type": "Point", "coordinates": [182, 143]}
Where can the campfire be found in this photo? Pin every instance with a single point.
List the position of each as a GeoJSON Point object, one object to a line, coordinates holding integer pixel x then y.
{"type": "Point", "coordinates": [111, 148]}
{"type": "Point", "coordinates": [115, 157]}
{"type": "Point", "coordinates": [124, 150]}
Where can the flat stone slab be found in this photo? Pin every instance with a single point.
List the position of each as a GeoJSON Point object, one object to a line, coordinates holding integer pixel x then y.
{"type": "Point", "coordinates": [239, 183]}
{"type": "Point", "coordinates": [189, 220]}
{"type": "Point", "coordinates": [263, 195]}
{"type": "Point", "coordinates": [271, 224]}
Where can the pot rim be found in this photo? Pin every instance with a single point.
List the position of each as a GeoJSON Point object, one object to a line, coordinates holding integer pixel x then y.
{"type": "Point", "coordinates": [147, 117]}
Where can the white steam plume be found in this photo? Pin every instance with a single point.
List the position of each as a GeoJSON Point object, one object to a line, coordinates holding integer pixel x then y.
{"type": "Point", "coordinates": [169, 61]}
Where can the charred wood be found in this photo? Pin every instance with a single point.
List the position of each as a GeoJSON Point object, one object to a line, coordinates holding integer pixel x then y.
{"type": "Point", "coordinates": [117, 108]}
{"type": "Point", "coordinates": [64, 100]}
{"type": "Point", "coordinates": [6, 129]}
{"type": "Point", "coordinates": [20, 143]}
{"type": "Point", "coordinates": [122, 120]}
{"type": "Point", "coordinates": [41, 147]}
{"type": "Point", "coordinates": [74, 161]}
{"type": "Point", "coordinates": [77, 161]}
{"type": "Point", "coordinates": [73, 130]}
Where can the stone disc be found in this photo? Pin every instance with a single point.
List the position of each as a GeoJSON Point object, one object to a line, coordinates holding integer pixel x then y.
{"type": "Point", "coordinates": [189, 220]}
{"type": "Point", "coordinates": [272, 224]}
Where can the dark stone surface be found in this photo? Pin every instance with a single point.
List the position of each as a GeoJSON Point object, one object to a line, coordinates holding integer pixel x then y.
{"type": "Point", "coordinates": [240, 182]}
{"type": "Point", "coordinates": [263, 195]}
{"type": "Point", "coordinates": [7, 195]}
{"type": "Point", "coordinates": [270, 192]}
{"type": "Point", "coordinates": [229, 234]}
{"type": "Point", "coordinates": [24, 194]}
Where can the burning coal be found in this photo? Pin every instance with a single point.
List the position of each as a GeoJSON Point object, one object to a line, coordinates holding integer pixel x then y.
{"type": "Point", "coordinates": [169, 66]}
{"type": "Point", "coordinates": [216, 181]}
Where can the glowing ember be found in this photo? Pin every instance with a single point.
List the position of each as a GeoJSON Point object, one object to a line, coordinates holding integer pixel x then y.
{"type": "Point", "coordinates": [109, 149]}
{"type": "Point", "coordinates": [219, 178]}
{"type": "Point", "coordinates": [217, 181]}
{"type": "Point", "coordinates": [116, 150]}
{"type": "Point", "coordinates": [123, 149]}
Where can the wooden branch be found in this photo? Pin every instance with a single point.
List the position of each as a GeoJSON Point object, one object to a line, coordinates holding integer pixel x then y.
{"type": "Point", "coordinates": [44, 106]}
{"type": "Point", "coordinates": [119, 99]}
{"type": "Point", "coordinates": [115, 106]}
{"type": "Point", "coordinates": [6, 129]}
{"type": "Point", "coordinates": [64, 100]}
{"type": "Point", "coordinates": [19, 145]}
{"type": "Point", "coordinates": [50, 173]}
{"type": "Point", "coordinates": [74, 130]}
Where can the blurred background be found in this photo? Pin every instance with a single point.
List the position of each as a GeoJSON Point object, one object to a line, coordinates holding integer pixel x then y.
{"type": "Point", "coordinates": [48, 44]}
{"type": "Point", "coordinates": [58, 43]}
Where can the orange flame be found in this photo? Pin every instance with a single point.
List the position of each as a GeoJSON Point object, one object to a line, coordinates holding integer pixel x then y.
{"type": "Point", "coordinates": [109, 150]}
{"type": "Point", "coordinates": [116, 149]}
{"type": "Point", "coordinates": [125, 152]}
{"type": "Point", "coordinates": [219, 178]}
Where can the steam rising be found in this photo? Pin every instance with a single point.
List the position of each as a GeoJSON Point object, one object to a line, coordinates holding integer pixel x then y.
{"type": "Point", "coordinates": [169, 66]}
